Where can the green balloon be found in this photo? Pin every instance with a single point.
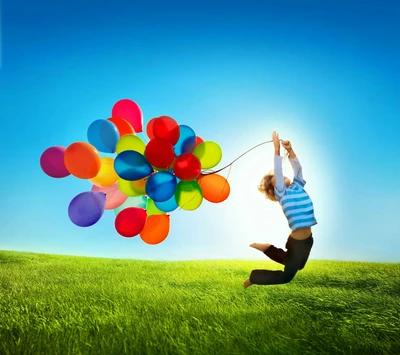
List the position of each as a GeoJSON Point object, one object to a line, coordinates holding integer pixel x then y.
{"type": "Point", "coordinates": [152, 208]}
{"type": "Point", "coordinates": [209, 154]}
{"type": "Point", "coordinates": [137, 201]}
{"type": "Point", "coordinates": [130, 142]}
{"type": "Point", "coordinates": [188, 195]}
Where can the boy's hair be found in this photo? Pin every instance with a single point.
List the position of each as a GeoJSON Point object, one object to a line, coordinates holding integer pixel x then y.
{"type": "Point", "coordinates": [267, 188]}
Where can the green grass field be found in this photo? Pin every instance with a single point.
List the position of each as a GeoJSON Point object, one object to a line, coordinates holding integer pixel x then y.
{"type": "Point", "coordinates": [53, 304]}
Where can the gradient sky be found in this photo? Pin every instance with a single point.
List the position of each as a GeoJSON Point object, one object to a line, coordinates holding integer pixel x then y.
{"type": "Point", "coordinates": [324, 74]}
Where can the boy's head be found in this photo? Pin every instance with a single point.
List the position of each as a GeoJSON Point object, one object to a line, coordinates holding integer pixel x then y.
{"type": "Point", "coordinates": [267, 186]}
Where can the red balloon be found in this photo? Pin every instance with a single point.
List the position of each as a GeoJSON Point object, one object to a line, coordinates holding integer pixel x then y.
{"type": "Point", "coordinates": [149, 128]}
{"type": "Point", "coordinates": [187, 167]}
{"type": "Point", "coordinates": [166, 127]}
{"type": "Point", "coordinates": [129, 111]}
{"type": "Point", "coordinates": [198, 140]}
{"type": "Point", "coordinates": [159, 153]}
{"type": "Point", "coordinates": [130, 221]}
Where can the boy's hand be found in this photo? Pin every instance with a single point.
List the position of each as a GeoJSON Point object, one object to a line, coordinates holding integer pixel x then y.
{"type": "Point", "coordinates": [275, 138]}
{"type": "Point", "coordinates": [286, 145]}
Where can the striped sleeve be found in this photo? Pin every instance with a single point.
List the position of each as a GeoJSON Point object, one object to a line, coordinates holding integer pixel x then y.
{"type": "Point", "coordinates": [298, 172]}
{"type": "Point", "coordinates": [280, 187]}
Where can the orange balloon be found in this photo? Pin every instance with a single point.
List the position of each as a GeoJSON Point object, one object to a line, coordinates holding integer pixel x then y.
{"type": "Point", "coordinates": [156, 228]}
{"type": "Point", "coordinates": [123, 126]}
{"type": "Point", "coordinates": [215, 187]}
{"type": "Point", "coordinates": [82, 160]}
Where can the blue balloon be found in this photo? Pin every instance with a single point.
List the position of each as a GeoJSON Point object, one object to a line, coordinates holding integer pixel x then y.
{"type": "Point", "coordinates": [186, 142]}
{"type": "Point", "coordinates": [103, 135]}
{"type": "Point", "coordinates": [161, 186]}
{"type": "Point", "coordinates": [167, 206]}
{"type": "Point", "coordinates": [131, 165]}
{"type": "Point", "coordinates": [87, 208]}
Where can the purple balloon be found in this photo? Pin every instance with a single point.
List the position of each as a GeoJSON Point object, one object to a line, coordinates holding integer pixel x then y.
{"type": "Point", "coordinates": [52, 162]}
{"type": "Point", "coordinates": [87, 208]}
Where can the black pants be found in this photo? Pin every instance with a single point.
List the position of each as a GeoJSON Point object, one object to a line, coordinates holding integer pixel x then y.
{"type": "Point", "coordinates": [294, 259]}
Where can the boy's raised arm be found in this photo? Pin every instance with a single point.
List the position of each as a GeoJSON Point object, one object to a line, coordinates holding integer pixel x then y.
{"type": "Point", "coordinates": [294, 161]}
{"type": "Point", "coordinates": [278, 173]}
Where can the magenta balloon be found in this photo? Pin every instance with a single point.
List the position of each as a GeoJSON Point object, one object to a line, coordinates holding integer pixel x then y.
{"type": "Point", "coordinates": [129, 111]}
{"type": "Point", "coordinates": [52, 162]}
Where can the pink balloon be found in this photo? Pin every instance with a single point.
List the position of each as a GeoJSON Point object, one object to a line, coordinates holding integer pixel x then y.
{"type": "Point", "coordinates": [114, 197]}
{"type": "Point", "coordinates": [129, 111]}
{"type": "Point", "coordinates": [52, 162]}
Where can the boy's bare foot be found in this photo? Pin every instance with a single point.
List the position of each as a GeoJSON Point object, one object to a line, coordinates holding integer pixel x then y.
{"type": "Point", "coordinates": [260, 247]}
{"type": "Point", "coordinates": [247, 283]}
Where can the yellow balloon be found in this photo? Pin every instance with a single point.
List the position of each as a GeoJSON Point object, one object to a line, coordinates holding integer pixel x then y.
{"type": "Point", "coordinates": [139, 186]}
{"type": "Point", "coordinates": [188, 195]}
{"type": "Point", "coordinates": [107, 175]}
{"type": "Point", "coordinates": [130, 142]}
{"type": "Point", "coordinates": [209, 154]}
{"type": "Point", "coordinates": [125, 186]}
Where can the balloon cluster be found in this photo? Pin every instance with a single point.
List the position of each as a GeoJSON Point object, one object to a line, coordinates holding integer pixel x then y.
{"type": "Point", "coordinates": [144, 181]}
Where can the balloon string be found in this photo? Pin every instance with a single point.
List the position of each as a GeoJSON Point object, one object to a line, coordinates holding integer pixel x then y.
{"type": "Point", "coordinates": [217, 171]}
{"type": "Point", "coordinates": [205, 172]}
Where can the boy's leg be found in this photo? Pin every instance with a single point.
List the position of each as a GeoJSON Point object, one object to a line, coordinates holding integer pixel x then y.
{"type": "Point", "coordinates": [276, 254]}
{"type": "Point", "coordinates": [296, 256]}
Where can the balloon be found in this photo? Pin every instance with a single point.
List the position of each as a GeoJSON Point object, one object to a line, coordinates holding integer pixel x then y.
{"type": "Point", "coordinates": [187, 167]}
{"type": "Point", "coordinates": [167, 128]}
{"type": "Point", "coordinates": [82, 160]}
{"type": "Point", "coordinates": [130, 142]}
{"type": "Point", "coordinates": [131, 165]}
{"type": "Point", "coordinates": [103, 135]}
{"type": "Point", "coordinates": [123, 126]}
{"type": "Point", "coordinates": [161, 186]}
{"type": "Point", "coordinates": [87, 208]}
{"type": "Point", "coordinates": [114, 197]}
{"type": "Point", "coordinates": [137, 201]}
{"type": "Point", "coordinates": [126, 188]}
{"type": "Point", "coordinates": [209, 154]}
{"type": "Point", "coordinates": [107, 175]}
{"type": "Point", "coordinates": [130, 221]}
{"type": "Point", "coordinates": [167, 206]}
{"type": "Point", "coordinates": [149, 128]}
{"type": "Point", "coordinates": [215, 187]}
{"type": "Point", "coordinates": [156, 229]}
{"type": "Point", "coordinates": [159, 153]}
{"type": "Point", "coordinates": [130, 111]}
{"type": "Point", "coordinates": [186, 141]}
{"type": "Point", "coordinates": [188, 195]}
{"type": "Point", "coordinates": [139, 186]}
{"type": "Point", "coordinates": [198, 140]}
{"type": "Point", "coordinates": [52, 162]}
{"type": "Point", "coordinates": [152, 208]}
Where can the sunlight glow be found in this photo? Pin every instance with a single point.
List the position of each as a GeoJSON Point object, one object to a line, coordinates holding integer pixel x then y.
{"type": "Point", "coordinates": [247, 216]}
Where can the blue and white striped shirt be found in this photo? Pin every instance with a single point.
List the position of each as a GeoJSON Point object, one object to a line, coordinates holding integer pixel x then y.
{"type": "Point", "coordinates": [296, 204]}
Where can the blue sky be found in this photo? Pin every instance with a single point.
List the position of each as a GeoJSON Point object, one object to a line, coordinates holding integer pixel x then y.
{"type": "Point", "coordinates": [324, 74]}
